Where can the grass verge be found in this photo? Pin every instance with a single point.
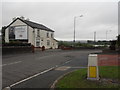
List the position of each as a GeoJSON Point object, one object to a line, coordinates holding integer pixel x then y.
{"type": "Point", "coordinates": [77, 79]}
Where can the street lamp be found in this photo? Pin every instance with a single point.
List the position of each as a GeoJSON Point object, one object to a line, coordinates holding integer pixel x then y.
{"type": "Point", "coordinates": [75, 24]}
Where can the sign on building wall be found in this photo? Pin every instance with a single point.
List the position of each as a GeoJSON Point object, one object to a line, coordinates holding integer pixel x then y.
{"type": "Point", "coordinates": [21, 32]}
{"type": "Point", "coordinates": [18, 32]}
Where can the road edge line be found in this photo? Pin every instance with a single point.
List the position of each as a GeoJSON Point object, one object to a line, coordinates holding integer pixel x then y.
{"type": "Point", "coordinates": [33, 76]}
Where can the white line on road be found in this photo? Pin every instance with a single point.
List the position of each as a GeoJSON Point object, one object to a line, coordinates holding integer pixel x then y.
{"type": "Point", "coordinates": [35, 75]}
{"type": "Point", "coordinates": [68, 61]}
{"type": "Point", "coordinates": [78, 67]}
{"type": "Point", "coordinates": [32, 77]}
{"type": "Point", "coordinates": [11, 63]}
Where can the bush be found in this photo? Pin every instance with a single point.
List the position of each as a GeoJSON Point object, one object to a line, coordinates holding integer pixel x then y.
{"type": "Point", "coordinates": [118, 42]}
{"type": "Point", "coordinates": [113, 45]}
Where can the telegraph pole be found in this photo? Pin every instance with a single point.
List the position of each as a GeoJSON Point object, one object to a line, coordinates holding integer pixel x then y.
{"type": "Point", "coordinates": [74, 29]}
{"type": "Point", "coordinates": [94, 37]}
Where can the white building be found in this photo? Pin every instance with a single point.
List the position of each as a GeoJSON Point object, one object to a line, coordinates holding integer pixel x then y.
{"type": "Point", "coordinates": [30, 32]}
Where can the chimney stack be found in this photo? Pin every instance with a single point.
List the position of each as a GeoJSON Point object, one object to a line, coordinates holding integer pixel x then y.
{"type": "Point", "coordinates": [13, 18]}
{"type": "Point", "coordinates": [23, 18]}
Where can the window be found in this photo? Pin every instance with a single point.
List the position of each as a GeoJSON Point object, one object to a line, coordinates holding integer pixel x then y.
{"type": "Point", "coordinates": [42, 39]}
{"type": "Point", "coordinates": [48, 42]}
{"type": "Point", "coordinates": [37, 44]}
{"type": "Point", "coordinates": [38, 33]}
{"type": "Point", "coordinates": [51, 35]}
{"type": "Point", "coordinates": [47, 34]}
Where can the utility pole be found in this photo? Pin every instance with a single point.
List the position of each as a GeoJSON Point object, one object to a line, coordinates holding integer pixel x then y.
{"type": "Point", "coordinates": [74, 29]}
{"type": "Point", "coordinates": [106, 35]}
{"type": "Point", "coordinates": [94, 37]}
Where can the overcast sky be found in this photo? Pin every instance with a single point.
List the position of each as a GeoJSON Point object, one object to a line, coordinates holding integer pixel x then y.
{"type": "Point", "coordinates": [101, 17]}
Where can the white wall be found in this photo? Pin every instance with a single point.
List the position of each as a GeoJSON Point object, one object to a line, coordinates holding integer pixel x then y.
{"type": "Point", "coordinates": [31, 35]}
{"type": "Point", "coordinates": [43, 36]}
{"type": "Point", "coordinates": [7, 35]}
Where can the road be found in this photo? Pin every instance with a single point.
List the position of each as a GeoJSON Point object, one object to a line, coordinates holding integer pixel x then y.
{"type": "Point", "coordinates": [39, 70]}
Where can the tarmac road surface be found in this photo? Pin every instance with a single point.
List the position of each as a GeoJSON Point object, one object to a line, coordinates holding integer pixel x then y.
{"type": "Point", "coordinates": [41, 69]}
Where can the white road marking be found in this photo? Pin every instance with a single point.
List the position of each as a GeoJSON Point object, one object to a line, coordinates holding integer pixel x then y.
{"type": "Point", "coordinates": [63, 68]}
{"type": "Point", "coordinates": [68, 61]}
{"type": "Point", "coordinates": [78, 67]}
{"type": "Point", "coordinates": [32, 77]}
{"type": "Point", "coordinates": [35, 75]}
{"type": "Point", "coordinates": [11, 63]}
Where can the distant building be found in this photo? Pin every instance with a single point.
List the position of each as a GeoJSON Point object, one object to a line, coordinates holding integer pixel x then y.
{"type": "Point", "coordinates": [30, 32]}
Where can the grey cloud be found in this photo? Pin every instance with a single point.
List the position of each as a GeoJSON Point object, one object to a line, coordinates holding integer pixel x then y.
{"type": "Point", "coordinates": [97, 17]}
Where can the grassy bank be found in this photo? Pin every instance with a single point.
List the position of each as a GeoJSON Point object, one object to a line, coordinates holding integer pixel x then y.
{"type": "Point", "coordinates": [77, 79]}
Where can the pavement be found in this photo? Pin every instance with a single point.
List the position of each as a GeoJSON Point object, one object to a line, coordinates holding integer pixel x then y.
{"type": "Point", "coordinates": [41, 69]}
{"type": "Point", "coordinates": [108, 59]}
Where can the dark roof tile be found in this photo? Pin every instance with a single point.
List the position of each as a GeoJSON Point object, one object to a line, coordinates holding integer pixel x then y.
{"type": "Point", "coordinates": [36, 25]}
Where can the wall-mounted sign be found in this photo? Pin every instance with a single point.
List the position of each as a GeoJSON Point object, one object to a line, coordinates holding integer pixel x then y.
{"type": "Point", "coordinates": [21, 32]}
{"type": "Point", "coordinates": [18, 32]}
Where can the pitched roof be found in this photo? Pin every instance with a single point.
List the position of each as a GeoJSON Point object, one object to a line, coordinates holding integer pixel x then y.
{"type": "Point", "coordinates": [33, 25]}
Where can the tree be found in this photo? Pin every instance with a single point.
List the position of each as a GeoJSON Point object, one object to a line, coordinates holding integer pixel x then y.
{"type": "Point", "coordinates": [3, 34]}
{"type": "Point", "coordinates": [118, 42]}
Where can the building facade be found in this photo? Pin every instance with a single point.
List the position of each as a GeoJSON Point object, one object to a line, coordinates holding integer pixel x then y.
{"type": "Point", "coordinates": [30, 32]}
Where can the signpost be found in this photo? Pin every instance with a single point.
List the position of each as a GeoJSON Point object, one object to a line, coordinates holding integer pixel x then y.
{"type": "Point", "coordinates": [93, 67]}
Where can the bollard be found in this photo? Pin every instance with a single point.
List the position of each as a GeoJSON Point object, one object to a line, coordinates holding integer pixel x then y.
{"type": "Point", "coordinates": [93, 67]}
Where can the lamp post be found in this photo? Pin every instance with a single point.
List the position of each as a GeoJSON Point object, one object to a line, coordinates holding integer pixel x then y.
{"type": "Point", "coordinates": [75, 25]}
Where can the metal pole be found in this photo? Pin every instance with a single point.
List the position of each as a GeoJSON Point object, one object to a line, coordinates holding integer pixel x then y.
{"type": "Point", "coordinates": [74, 25]}
{"type": "Point", "coordinates": [74, 29]}
{"type": "Point", "coordinates": [94, 36]}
